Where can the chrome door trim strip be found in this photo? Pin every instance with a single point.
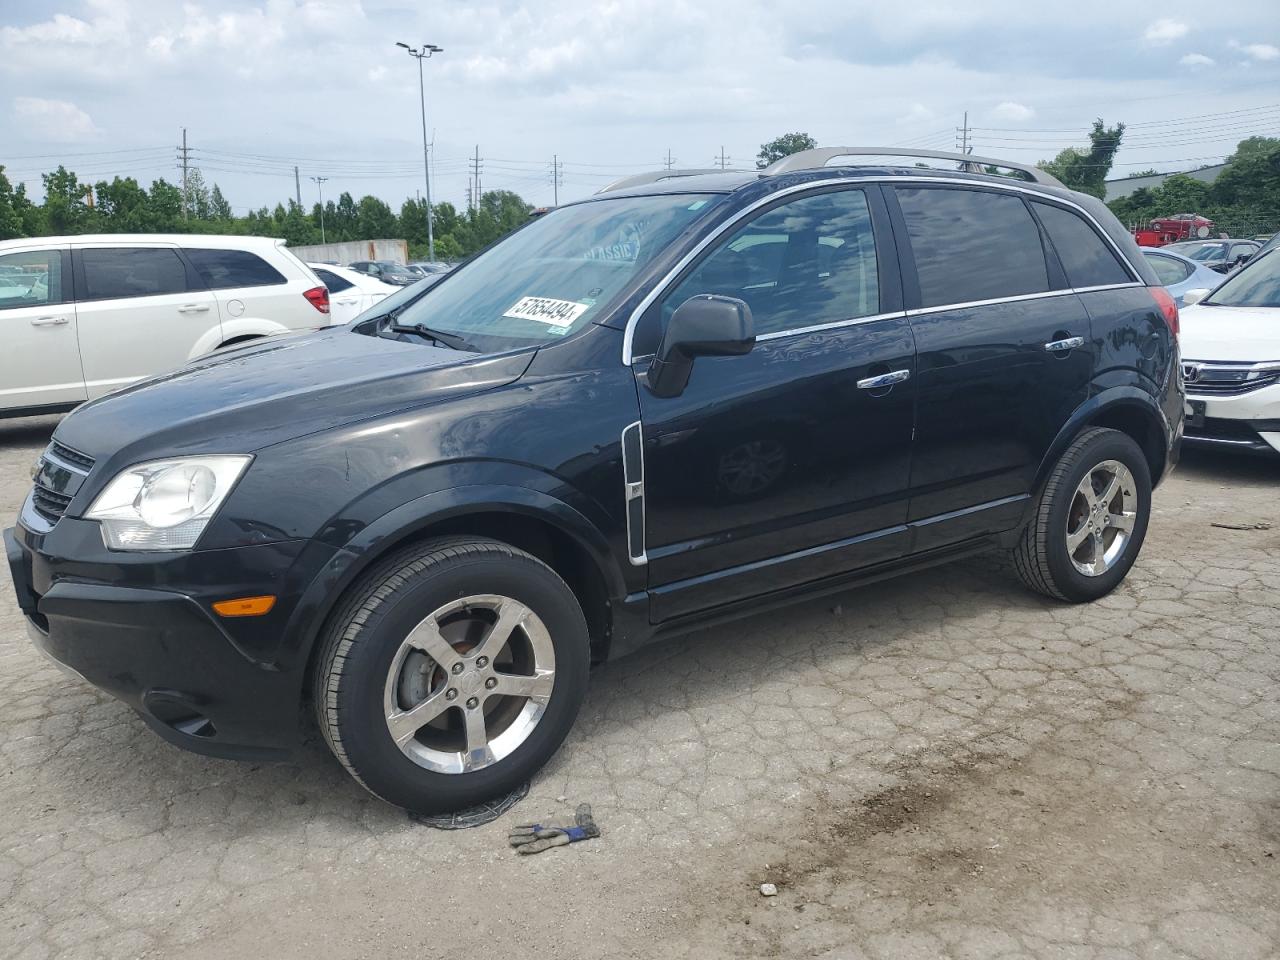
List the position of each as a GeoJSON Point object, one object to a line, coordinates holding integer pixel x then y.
{"type": "Point", "coordinates": [833, 325]}
{"type": "Point", "coordinates": [660, 287]}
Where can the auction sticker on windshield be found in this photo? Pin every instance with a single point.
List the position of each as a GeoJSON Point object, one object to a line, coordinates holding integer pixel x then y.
{"type": "Point", "coordinates": [554, 313]}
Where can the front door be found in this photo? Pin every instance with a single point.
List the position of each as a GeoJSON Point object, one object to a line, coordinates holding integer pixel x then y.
{"type": "Point", "coordinates": [142, 311]}
{"type": "Point", "coordinates": [40, 362]}
{"type": "Point", "coordinates": [790, 464]}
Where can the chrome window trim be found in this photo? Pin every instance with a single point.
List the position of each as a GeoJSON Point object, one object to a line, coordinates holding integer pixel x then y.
{"type": "Point", "coordinates": [833, 325]}
{"type": "Point", "coordinates": [661, 286]}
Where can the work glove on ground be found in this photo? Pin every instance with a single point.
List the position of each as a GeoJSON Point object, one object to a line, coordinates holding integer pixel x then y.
{"type": "Point", "coordinates": [535, 837]}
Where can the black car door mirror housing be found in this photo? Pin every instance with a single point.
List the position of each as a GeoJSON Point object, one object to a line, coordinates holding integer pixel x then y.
{"type": "Point", "coordinates": [707, 325]}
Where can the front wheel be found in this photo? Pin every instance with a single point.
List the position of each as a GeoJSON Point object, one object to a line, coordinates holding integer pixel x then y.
{"type": "Point", "coordinates": [1090, 520]}
{"type": "Point", "coordinates": [452, 674]}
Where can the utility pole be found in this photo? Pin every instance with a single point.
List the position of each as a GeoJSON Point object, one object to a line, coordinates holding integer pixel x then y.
{"type": "Point", "coordinates": [476, 193]}
{"type": "Point", "coordinates": [556, 169]}
{"type": "Point", "coordinates": [297, 186]}
{"type": "Point", "coordinates": [320, 186]}
{"type": "Point", "coordinates": [669, 161]}
{"type": "Point", "coordinates": [722, 159]}
{"type": "Point", "coordinates": [184, 154]}
{"type": "Point", "coordinates": [962, 136]}
{"type": "Point", "coordinates": [424, 53]}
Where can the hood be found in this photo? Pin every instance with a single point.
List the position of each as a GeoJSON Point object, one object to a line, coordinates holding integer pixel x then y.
{"type": "Point", "coordinates": [1233, 334]}
{"type": "Point", "coordinates": [247, 398]}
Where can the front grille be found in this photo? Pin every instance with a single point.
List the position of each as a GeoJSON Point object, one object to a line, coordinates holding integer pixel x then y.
{"type": "Point", "coordinates": [71, 457]}
{"type": "Point", "coordinates": [1226, 379]}
{"type": "Point", "coordinates": [49, 504]}
{"type": "Point", "coordinates": [59, 460]}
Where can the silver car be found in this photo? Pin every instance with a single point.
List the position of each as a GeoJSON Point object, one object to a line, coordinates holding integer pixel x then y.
{"type": "Point", "coordinates": [1180, 274]}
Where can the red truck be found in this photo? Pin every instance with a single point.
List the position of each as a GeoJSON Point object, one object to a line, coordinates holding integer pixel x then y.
{"type": "Point", "coordinates": [1181, 226]}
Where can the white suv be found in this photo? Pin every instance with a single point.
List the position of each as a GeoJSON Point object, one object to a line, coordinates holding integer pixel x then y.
{"type": "Point", "coordinates": [1231, 360]}
{"type": "Point", "coordinates": [82, 316]}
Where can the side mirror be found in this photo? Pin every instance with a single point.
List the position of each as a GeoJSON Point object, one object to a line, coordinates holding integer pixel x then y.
{"type": "Point", "coordinates": [1192, 297]}
{"type": "Point", "coordinates": [1244, 258]}
{"type": "Point", "coordinates": [707, 325]}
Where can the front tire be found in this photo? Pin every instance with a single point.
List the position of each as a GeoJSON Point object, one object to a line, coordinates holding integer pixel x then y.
{"type": "Point", "coordinates": [1090, 520]}
{"type": "Point", "coordinates": [452, 673]}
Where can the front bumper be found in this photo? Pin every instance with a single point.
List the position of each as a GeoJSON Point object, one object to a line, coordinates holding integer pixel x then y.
{"type": "Point", "coordinates": [141, 628]}
{"type": "Point", "coordinates": [1248, 422]}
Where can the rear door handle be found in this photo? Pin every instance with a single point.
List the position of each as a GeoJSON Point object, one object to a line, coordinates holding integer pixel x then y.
{"type": "Point", "coordinates": [194, 308]}
{"type": "Point", "coordinates": [1062, 346]}
{"type": "Point", "coordinates": [883, 380]}
{"type": "Point", "coordinates": [48, 321]}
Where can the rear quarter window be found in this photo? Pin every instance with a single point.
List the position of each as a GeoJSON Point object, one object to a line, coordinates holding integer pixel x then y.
{"type": "Point", "coordinates": [1087, 259]}
{"type": "Point", "coordinates": [972, 245]}
{"type": "Point", "coordinates": [224, 269]}
{"type": "Point", "coordinates": [1168, 270]}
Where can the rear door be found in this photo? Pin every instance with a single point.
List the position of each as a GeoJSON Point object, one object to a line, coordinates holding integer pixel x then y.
{"type": "Point", "coordinates": [40, 362]}
{"type": "Point", "coordinates": [142, 310]}
{"type": "Point", "coordinates": [346, 302]}
{"type": "Point", "coordinates": [789, 464]}
{"type": "Point", "coordinates": [1004, 356]}
{"type": "Point", "coordinates": [248, 288]}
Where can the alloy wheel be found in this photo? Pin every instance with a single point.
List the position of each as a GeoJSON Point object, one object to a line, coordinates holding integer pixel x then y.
{"type": "Point", "coordinates": [1100, 521]}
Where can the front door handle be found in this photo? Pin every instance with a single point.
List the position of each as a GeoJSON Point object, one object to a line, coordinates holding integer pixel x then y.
{"type": "Point", "coordinates": [194, 308]}
{"type": "Point", "coordinates": [48, 321]}
{"type": "Point", "coordinates": [1062, 346]}
{"type": "Point", "coordinates": [883, 380]}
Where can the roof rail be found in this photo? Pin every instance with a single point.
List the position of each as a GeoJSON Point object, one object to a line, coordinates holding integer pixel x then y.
{"type": "Point", "coordinates": [653, 176]}
{"type": "Point", "coordinates": [820, 157]}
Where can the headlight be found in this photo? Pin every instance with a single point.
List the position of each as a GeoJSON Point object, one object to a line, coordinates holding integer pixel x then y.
{"type": "Point", "coordinates": [165, 504]}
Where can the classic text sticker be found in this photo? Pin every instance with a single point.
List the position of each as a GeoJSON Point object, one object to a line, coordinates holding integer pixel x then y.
{"type": "Point", "coordinates": [554, 313]}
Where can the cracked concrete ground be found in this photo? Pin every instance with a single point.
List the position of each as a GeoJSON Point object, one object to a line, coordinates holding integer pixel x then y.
{"type": "Point", "coordinates": [943, 766]}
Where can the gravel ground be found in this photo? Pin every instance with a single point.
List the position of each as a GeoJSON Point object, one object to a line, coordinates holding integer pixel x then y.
{"type": "Point", "coordinates": [944, 766]}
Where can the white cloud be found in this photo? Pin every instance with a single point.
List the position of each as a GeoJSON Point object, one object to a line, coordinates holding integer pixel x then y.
{"type": "Point", "coordinates": [54, 120]}
{"type": "Point", "coordinates": [918, 113]}
{"type": "Point", "coordinates": [1164, 31]}
{"type": "Point", "coordinates": [1262, 51]}
{"type": "Point", "coordinates": [1014, 112]}
{"type": "Point", "coordinates": [1196, 60]}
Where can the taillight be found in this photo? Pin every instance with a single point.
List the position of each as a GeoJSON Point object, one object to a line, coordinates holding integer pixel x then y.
{"type": "Point", "coordinates": [1167, 307]}
{"type": "Point", "coordinates": [318, 297]}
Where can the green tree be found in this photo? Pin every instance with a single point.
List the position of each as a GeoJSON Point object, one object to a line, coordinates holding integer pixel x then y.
{"type": "Point", "coordinates": [198, 199]}
{"type": "Point", "coordinates": [124, 207]}
{"type": "Point", "coordinates": [413, 219]}
{"type": "Point", "coordinates": [343, 224]}
{"type": "Point", "coordinates": [219, 209]}
{"type": "Point", "coordinates": [13, 202]}
{"type": "Point", "coordinates": [374, 220]}
{"type": "Point", "coordinates": [166, 205]}
{"type": "Point", "coordinates": [66, 207]}
{"type": "Point", "coordinates": [1086, 170]}
{"type": "Point", "coordinates": [783, 146]}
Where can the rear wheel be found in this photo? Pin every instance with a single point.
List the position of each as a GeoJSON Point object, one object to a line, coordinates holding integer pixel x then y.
{"type": "Point", "coordinates": [452, 673]}
{"type": "Point", "coordinates": [1090, 521]}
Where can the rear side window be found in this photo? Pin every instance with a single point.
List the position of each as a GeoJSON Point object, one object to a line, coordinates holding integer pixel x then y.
{"type": "Point", "coordinates": [117, 272]}
{"type": "Point", "coordinates": [1168, 270]}
{"type": "Point", "coordinates": [972, 245]}
{"type": "Point", "coordinates": [1088, 259]}
{"type": "Point", "coordinates": [333, 282]}
{"type": "Point", "coordinates": [31, 279]}
{"type": "Point", "coordinates": [223, 269]}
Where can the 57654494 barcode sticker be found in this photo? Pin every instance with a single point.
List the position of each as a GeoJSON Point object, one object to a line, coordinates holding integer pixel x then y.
{"type": "Point", "coordinates": [554, 313]}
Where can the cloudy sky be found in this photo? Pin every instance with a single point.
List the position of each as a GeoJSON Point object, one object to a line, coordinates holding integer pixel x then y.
{"type": "Point", "coordinates": [609, 86]}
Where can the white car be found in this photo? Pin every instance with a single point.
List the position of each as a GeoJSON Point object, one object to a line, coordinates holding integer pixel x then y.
{"type": "Point", "coordinates": [82, 316]}
{"type": "Point", "coordinates": [1231, 360]}
{"type": "Point", "coordinates": [350, 293]}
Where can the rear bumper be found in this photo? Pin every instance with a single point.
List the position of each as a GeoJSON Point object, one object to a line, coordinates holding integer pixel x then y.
{"type": "Point", "coordinates": [218, 687]}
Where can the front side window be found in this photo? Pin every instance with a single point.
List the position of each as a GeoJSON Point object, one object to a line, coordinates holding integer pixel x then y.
{"type": "Point", "coordinates": [972, 245]}
{"type": "Point", "coordinates": [1208, 251]}
{"type": "Point", "coordinates": [1168, 270]}
{"type": "Point", "coordinates": [30, 279]}
{"type": "Point", "coordinates": [1257, 284]}
{"type": "Point", "coordinates": [808, 262]}
{"type": "Point", "coordinates": [1088, 259]}
{"type": "Point", "coordinates": [112, 273]}
{"type": "Point", "coordinates": [225, 269]}
{"type": "Point", "coordinates": [558, 273]}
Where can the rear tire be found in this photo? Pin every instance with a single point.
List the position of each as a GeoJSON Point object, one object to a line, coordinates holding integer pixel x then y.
{"type": "Point", "coordinates": [452, 673]}
{"type": "Point", "coordinates": [1090, 519]}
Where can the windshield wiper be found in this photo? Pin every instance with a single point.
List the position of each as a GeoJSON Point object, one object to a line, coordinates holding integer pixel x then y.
{"type": "Point", "coordinates": [451, 340]}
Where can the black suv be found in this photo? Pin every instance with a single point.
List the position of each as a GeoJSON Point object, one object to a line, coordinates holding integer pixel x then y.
{"type": "Point", "coordinates": [664, 406]}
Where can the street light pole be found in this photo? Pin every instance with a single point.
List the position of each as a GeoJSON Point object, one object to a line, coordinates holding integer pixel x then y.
{"type": "Point", "coordinates": [320, 186]}
{"type": "Point", "coordinates": [424, 53]}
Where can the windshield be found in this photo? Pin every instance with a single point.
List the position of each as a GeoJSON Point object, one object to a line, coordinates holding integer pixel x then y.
{"type": "Point", "coordinates": [1255, 285]}
{"type": "Point", "coordinates": [557, 274]}
{"type": "Point", "coordinates": [394, 301]}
